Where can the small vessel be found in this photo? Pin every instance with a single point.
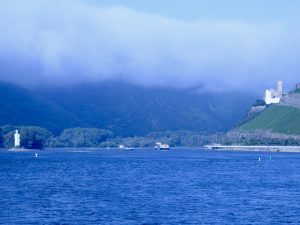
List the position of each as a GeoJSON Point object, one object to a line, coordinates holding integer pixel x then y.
{"type": "Point", "coordinates": [212, 146]}
{"type": "Point", "coordinates": [123, 147]}
{"type": "Point", "coordinates": [161, 146]}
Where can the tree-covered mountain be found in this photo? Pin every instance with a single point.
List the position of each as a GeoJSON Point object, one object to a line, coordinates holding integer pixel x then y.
{"type": "Point", "coordinates": [125, 109]}
{"type": "Point", "coordinates": [133, 110]}
{"type": "Point", "coordinates": [19, 106]}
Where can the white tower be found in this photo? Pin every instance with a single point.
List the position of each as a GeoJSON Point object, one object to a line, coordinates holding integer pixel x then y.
{"type": "Point", "coordinates": [279, 88]}
{"type": "Point", "coordinates": [17, 139]}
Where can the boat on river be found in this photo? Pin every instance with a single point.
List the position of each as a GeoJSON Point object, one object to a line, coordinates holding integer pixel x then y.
{"type": "Point", "coordinates": [161, 146]}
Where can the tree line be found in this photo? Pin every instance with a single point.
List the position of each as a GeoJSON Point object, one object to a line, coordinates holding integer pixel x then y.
{"type": "Point", "coordinates": [33, 137]}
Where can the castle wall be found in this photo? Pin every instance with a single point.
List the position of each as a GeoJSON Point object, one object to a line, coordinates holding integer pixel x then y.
{"type": "Point", "coordinates": [271, 98]}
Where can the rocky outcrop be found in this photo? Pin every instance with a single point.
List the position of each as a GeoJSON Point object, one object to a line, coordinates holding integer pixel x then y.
{"type": "Point", "coordinates": [292, 99]}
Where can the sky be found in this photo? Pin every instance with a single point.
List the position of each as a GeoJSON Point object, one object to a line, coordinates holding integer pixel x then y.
{"type": "Point", "coordinates": [247, 10]}
{"type": "Point", "coordinates": [215, 45]}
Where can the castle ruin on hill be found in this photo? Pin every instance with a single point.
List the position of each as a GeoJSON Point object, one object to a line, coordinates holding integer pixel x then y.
{"type": "Point", "coordinates": [273, 96]}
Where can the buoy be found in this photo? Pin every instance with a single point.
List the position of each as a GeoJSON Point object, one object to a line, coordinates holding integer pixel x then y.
{"type": "Point", "coordinates": [36, 155]}
{"type": "Point", "coordinates": [258, 159]}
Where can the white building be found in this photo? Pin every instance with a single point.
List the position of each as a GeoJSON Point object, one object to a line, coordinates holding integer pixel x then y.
{"type": "Point", "coordinates": [272, 96]}
{"type": "Point", "coordinates": [17, 139]}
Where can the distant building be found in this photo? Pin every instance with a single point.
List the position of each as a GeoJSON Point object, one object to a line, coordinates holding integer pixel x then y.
{"type": "Point", "coordinates": [279, 88]}
{"type": "Point", "coordinates": [17, 139]}
{"type": "Point", "coordinates": [273, 96]}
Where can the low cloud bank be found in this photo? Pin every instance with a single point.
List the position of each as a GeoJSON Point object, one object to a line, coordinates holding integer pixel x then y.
{"type": "Point", "coordinates": [62, 42]}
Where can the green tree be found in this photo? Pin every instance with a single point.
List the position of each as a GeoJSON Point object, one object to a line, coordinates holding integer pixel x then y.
{"type": "Point", "coordinates": [83, 137]}
{"type": "Point", "coordinates": [8, 140]}
{"type": "Point", "coordinates": [7, 132]}
{"type": "Point", "coordinates": [32, 137]}
{"type": "Point", "coordinates": [259, 102]}
{"type": "Point", "coordinates": [7, 128]}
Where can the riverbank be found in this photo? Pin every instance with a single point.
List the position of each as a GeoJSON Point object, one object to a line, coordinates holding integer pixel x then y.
{"type": "Point", "coordinates": [18, 149]}
{"type": "Point", "coordinates": [257, 148]}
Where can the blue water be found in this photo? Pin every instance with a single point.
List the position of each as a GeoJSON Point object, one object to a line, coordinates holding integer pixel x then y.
{"type": "Point", "coordinates": [182, 186]}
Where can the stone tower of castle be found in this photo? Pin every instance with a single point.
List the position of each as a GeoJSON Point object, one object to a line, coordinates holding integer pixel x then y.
{"type": "Point", "coordinates": [279, 88]}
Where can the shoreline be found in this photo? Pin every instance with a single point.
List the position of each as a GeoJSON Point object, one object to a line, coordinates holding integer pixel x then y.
{"type": "Point", "coordinates": [17, 150]}
{"type": "Point", "coordinates": [250, 148]}
{"type": "Point", "coordinates": [215, 147]}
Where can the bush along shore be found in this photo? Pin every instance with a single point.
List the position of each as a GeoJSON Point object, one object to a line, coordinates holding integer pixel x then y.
{"type": "Point", "coordinates": [33, 137]}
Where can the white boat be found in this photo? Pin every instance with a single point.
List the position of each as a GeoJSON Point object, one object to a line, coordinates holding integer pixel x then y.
{"type": "Point", "coordinates": [125, 148]}
{"type": "Point", "coordinates": [121, 147]}
{"type": "Point", "coordinates": [161, 146]}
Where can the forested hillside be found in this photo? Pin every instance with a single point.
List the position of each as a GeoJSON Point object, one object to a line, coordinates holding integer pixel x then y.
{"type": "Point", "coordinates": [124, 109]}
{"type": "Point", "coordinates": [19, 106]}
{"type": "Point", "coordinates": [130, 110]}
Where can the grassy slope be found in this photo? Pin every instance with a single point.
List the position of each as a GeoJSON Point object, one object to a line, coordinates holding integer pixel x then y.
{"type": "Point", "coordinates": [278, 118]}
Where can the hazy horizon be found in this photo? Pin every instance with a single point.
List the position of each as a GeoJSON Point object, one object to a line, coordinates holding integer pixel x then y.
{"type": "Point", "coordinates": [217, 46]}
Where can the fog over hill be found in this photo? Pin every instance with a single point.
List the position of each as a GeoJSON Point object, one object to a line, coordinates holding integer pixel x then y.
{"type": "Point", "coordinates": [62, 42]}
{"type": "Point", "coordinates": [20, 106]}
{"type": "Point", "coordinates": [125, 109]}
{"type": "Point", "coordinates": [131, 71]}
